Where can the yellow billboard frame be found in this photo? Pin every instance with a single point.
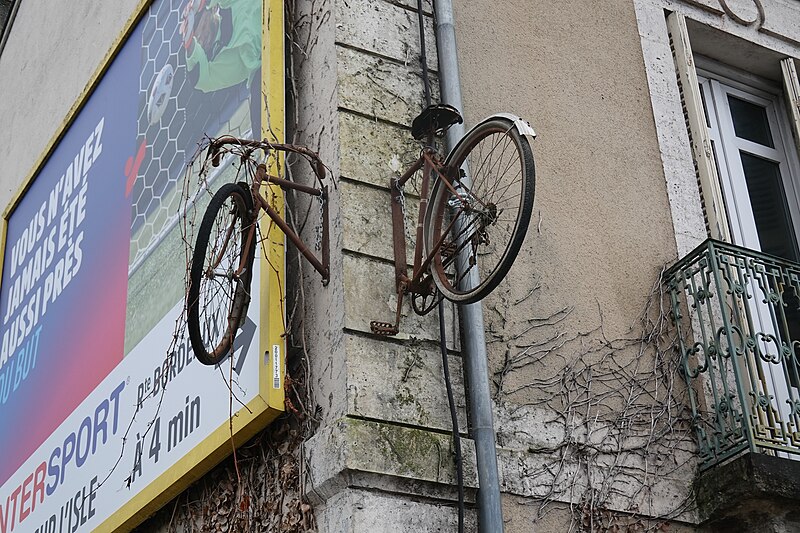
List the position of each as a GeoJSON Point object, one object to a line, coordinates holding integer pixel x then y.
{"type": "Point", "coordinates": [270, 401]}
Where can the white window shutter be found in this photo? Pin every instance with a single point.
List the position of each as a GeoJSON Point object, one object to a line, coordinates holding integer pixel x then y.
{"type": "Point", "coordinates": [713, 204]}
{"type": "Point", "coordinates": [791, 87]}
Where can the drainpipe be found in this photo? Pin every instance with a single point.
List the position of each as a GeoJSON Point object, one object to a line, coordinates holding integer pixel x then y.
{"type": "Point", "coordinates": [473, 342]}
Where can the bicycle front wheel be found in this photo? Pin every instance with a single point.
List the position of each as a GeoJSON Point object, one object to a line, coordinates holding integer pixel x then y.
{"type": "Point", "coordinates": [475, 231]}
{"type": "Point", "coordinates": [221, 272]}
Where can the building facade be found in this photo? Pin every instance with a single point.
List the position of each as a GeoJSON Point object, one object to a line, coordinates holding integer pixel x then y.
{"type": "Point", "coordinates": [642, 377]}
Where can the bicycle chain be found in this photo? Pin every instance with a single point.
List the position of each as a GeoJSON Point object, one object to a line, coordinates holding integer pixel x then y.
{"type": "Point", "coordinates": [402, 196]}
{"type": "Point", "coordinates": [318, 232]}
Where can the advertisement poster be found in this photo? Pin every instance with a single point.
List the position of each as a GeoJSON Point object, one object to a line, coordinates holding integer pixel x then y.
{"type": "Point", "coordinates": [101, 398]}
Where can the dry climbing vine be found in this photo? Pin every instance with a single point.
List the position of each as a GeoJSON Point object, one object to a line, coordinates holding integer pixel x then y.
{"type": "Point", "coordinates": [595, 423]}
{"type": "Point", "coordinates": [261, 486]}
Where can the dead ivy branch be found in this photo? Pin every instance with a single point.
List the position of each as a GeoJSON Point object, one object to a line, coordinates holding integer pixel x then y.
{"type": "Point", "coordinates": [261, 487]}
{"type": "Point", "coordinates": [597, 423]}
{"type": "Point", "coordinates": [265, 496]}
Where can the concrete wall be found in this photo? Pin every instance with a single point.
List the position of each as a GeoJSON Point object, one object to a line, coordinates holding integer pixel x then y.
{"type": "Point", "coordinates": [48, 59]}
{"type": "Point", "coordinates": [565, 331]}
{"type": "Point", "coordinates": [617, 199]}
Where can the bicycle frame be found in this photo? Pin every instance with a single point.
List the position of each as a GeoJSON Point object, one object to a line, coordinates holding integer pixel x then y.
{"type": "Point", "coordinates": [261, 177]}
{"type": "Point", "coordinates": [428, 162]}
{"type": "Point", "coordinates": [420, 282]}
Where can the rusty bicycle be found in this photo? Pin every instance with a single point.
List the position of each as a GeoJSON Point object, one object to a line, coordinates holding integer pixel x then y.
{"type": "Point", "coordinates": [221, 268]}
{"type": "Point", "coordinates": [474, 208]}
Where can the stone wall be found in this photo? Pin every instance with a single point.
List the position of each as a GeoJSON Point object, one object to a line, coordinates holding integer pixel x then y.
{"type": "Point", "coordinates": [386, 454]}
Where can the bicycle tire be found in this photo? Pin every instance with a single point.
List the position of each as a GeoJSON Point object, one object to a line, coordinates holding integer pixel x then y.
{"type": "Point", "coordinates": [498, 204]}
{"type": "Point", "coordinates": [218, 297]}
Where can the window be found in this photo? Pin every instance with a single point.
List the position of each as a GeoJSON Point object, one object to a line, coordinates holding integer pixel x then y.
{"type": "Point", "coordinates": [757, 168]}
{"type": "Point", "coordinates": [756, 164]}
{"type": "Point", "coordinates": [743, 131]}
{"type": "Point", "coordinates": [741, 137]}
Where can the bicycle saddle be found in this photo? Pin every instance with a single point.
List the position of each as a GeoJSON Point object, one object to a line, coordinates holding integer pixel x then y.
{"type": "Point", "coordinates": [435, 119]}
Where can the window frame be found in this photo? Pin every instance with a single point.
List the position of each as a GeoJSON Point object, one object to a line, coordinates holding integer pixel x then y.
{"type": "Point", "coordinates": [717, 81]}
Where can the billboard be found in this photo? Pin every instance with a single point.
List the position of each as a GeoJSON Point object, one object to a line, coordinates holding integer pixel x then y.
{"type": "Point", "coordinates": [104, 412]}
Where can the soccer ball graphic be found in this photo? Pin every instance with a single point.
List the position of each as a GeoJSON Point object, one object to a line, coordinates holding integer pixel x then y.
{"type": "Point", "coordinates": [160, 93]}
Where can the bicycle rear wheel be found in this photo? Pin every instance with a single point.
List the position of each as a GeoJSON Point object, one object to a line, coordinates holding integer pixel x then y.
{"type": "Point", "coordinates": [221, 272]}
{"type": "Point", "coordinates": [480, 227]}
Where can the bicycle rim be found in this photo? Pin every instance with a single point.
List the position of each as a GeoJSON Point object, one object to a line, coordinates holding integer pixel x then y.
{"type": "Point", "coordinates": [475, 231]}
{"type": "Point", "coordinates": [221, 271]}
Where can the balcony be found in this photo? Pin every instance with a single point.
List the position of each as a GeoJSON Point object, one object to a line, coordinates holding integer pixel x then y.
{"type": "Point", "coordinates": [737, 313]}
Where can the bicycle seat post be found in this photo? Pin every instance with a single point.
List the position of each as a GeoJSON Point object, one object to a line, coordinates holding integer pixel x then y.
{"type": "Point", "coordinates": [260, 175]}
{"type": "Point", "coordinates": [429, 140]}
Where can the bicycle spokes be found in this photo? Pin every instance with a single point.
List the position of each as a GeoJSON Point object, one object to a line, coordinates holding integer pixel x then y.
{"type": "Point", "coordinates": [481, 216]}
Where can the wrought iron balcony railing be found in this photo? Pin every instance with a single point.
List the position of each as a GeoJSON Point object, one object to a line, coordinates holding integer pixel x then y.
{"type": "Point", "coordinates": [738, 316]}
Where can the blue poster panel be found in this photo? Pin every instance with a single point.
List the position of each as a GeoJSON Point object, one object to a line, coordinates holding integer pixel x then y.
{"type": "Point", "coordinates": [93, 274]}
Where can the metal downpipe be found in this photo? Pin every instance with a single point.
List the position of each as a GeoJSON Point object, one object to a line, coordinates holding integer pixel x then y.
{"type": "Point", "coordinates": [473, 348]}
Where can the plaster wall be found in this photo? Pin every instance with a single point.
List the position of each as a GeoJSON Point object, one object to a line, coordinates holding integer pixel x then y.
{"type": "Point", "coordinates": [601, 227]}
{"type": "Point", "coordinates": [602, 232]}
{"type": "Point", "coordinates": [50, 55]}
{"type": "Point", "coordinates": [617, 199]}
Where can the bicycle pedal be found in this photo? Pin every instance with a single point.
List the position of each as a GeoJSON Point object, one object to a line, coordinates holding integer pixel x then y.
{"type": "Point", "coordinates": [383, 328]}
